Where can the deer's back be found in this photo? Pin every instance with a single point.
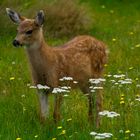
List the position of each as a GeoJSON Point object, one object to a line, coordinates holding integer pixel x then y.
{"type": "Point", "coordinates": [81, 58]}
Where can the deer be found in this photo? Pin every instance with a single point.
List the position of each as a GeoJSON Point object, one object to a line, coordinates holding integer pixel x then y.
{"type": "Point", "coordinates": [82, 58]}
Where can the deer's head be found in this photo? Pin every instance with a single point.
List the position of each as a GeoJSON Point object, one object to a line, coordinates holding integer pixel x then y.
{"type": "Point", "coordinates": [29, 31]}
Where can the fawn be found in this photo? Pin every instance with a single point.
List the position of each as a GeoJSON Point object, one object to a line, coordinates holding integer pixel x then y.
{"type": "Point", "coordinates": [82, 58]}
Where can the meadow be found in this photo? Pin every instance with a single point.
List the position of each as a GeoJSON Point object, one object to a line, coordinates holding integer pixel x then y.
{"type": "Point", "coordinates": [117, 23]}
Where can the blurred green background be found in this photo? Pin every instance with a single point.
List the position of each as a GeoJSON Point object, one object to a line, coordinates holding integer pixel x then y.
{"type": "Point", "coordinates": [117, 23]}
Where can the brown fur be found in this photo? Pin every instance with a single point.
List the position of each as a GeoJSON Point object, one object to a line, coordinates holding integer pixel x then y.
{"type": "Point", "coordinates": [82, 58]}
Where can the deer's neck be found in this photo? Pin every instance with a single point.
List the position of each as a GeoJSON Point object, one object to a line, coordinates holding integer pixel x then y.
{"type": "Point", "coordinates": [37, 53]}
{"type": "Point", "coordinates": [41, 60]}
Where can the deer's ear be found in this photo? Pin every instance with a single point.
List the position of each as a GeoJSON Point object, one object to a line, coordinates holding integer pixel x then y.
{"type": "Point", "coordinates": [14, 16]}
{"type": "Point", "coordinates": [39, 20]}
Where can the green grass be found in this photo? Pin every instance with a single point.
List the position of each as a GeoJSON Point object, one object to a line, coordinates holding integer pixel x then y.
{"type": "Point", "coordinates": [118, 20]}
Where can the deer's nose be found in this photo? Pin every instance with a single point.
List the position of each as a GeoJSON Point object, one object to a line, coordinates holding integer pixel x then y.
{"type": "Point", "coordinates": [16, 43]}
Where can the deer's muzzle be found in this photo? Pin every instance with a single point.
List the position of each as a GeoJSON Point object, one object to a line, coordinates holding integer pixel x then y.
{"type": "Point", "coordinates": [16, 43]}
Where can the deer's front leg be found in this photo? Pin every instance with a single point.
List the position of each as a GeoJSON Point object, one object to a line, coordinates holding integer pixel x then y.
{"type": "Point", "coordinates": [57, 106]}
{"type": "Point", "coordinates": [44, 105]}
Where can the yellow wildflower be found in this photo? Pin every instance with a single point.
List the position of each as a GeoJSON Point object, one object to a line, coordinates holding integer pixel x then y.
{"type": "Point", "coordinates": [12, 78]}
{"type": "Point", "coordinates": [137, 96]}
{"type": "Point", "coordinates": [18, 138]}
{"type": "Point", "coordinates": [36, 136]}
{"type": "Point", "coordinates": [131, 68]}
{"type": "Point", "coordinates": [122, 102]}
{"type": "Point", "coordinates": [137, 46]}
{"type": "Point", "coordinates": [59, 127]}
{"type": "Point", "coordinates": [122, 95]}
{"type": "Point", "coordinates": [114, 39]}
{"type": "Point", "coordinates": [131, 33]}
{"type": "Point", "coordinates": [137, 79]}
{"type": "Point", "coordinates": [69, 119]}
{"type": "Point", "coordinates": [63, 132]}
{"type": "Point", "coordinates": [105, 65]}
{"type": "Point", "coordinates": [127, 131]}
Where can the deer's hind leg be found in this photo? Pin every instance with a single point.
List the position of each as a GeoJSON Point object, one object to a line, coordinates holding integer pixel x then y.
{"type": "Point", "coordinates": [91, 103]}
{"type": "Point", "coordinates": [90, 107]}
{"type": "Point", "coordinates": [95, 105]}
{"type": "Point", "coordinates": [99, 106]}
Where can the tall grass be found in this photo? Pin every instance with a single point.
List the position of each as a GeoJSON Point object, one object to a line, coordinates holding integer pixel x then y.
{"type": "Point", "coordinates": [62, 19]}
{"type": "Point", "coordinates": [118, 25]}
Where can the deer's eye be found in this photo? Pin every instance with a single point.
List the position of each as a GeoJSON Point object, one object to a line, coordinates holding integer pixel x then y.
{"type": "Point", "coordinates": [29, 32]}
